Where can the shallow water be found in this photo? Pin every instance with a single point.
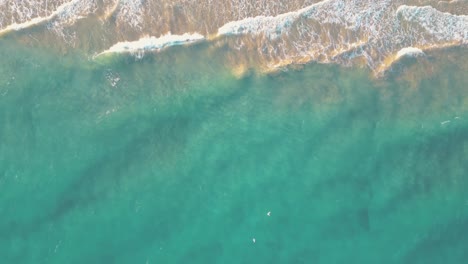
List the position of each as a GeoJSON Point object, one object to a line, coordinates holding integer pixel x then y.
{"type": "Point", "coordinates": [173, 159]}
{"type": "Point", "coordinates": [266, 35]}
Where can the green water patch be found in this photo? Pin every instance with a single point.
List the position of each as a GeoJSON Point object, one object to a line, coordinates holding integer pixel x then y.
{"type": "Point", "coordinates": [171, 159]}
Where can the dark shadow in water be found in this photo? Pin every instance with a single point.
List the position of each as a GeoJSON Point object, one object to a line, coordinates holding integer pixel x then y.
{"type": "Point", "coordinates": [95, 181]}
{"type": "Point", "coordinates": [445, 243]}
{"type": "Point", "coordinates": [163, 141]}
{"type": "Point", "coordinates": [445, 145]}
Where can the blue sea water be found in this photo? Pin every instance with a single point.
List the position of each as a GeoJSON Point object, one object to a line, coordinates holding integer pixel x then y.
{"type": "Point", "coordinates": [173, 159]}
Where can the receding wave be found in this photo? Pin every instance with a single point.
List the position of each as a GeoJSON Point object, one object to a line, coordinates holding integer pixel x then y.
{"type": "Point", "coordinates": [347, 32]}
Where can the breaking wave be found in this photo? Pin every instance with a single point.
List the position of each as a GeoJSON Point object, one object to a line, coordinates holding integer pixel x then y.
{"type": "Point", "coordinates": [409, 52]}
{"type": "Point", "coordinates": [153, 43]}
{"type": "Point", "coordinates": [68, 12]}
{"type": "Point", "coordinates": [347, 31]}
{"type": "Point", "coordinates": [373, 33]}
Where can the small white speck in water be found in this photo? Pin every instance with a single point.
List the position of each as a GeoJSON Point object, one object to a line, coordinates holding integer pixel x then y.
{"type": "Point", "coordinates": [254, 240]}
{"type": "Point", "coordinates": [269, 213]}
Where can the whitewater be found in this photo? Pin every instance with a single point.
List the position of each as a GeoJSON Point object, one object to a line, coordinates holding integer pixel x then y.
{"type": "Point", "coordinates": [370, 33]}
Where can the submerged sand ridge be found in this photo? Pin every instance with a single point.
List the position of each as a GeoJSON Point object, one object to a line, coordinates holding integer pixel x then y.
{"type": "Point", "coordinates": [263, 34]}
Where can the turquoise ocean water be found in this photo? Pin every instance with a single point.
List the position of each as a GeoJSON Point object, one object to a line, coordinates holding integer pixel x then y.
{"type": "Point", "coordinates": [173, 159]}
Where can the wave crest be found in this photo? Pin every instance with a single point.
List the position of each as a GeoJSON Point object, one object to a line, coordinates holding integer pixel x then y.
{"type": "Point", "coordinates": [153, 43]}
{"type": "Point", "coordinates": [348, 32]}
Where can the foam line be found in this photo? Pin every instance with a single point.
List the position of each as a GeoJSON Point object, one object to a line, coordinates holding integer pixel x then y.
{"type": "Point", "coordinates": [442, 26]}
{"type": "Point", "coordinates": [341, 30]}
{"type": "Point", "coordinates": [64, 11]}
{"type": "Point", "coordinates": [272, 26]}
{"type": "Point", "coordinates": [153, 43]}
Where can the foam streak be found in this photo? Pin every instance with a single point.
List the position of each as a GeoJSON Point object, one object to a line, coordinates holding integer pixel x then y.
{"type": "Point", "coordinates": [65, 11]}
{"type": "Point", "coordinates": [153, 43]}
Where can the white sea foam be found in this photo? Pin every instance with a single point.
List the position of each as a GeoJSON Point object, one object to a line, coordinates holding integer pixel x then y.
{"type": "Point", "coordinates": [441, 26]}
{"type": "Point", "coordinates": [341, 30]}
{"type": "Point", "coordinates": [67, 12]}
{"type": "Point", "coordinates": [27, 24]}
{"type": "Point", "coordinates": [409, 52]}
{"type": "Point", "coordinates": [360, 20]}
{"type": "Point", "coordinates": [272, 26]}
{"type": "Point", "coordinates": [337, 31]}
{"type": "Point", "coordinates": [153, 43]}
{"type": "Point", "coordinates": [352, 14]}
{"type": "Point", "coordinates": [452, 1]}
{"type": "Point", "coordinates": [130, 12]}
